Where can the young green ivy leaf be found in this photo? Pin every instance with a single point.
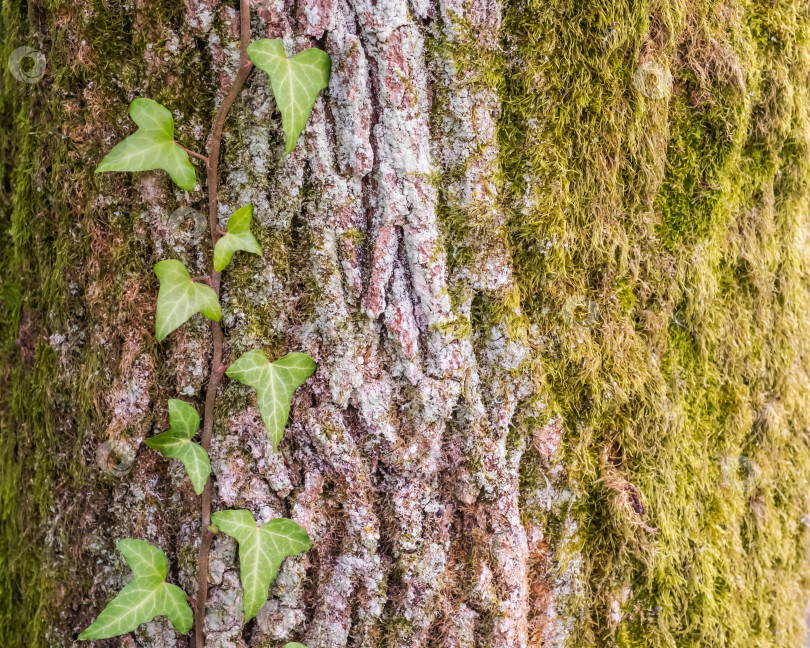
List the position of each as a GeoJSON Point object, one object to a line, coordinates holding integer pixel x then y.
{"type": "Point", "coordinates": [274, 384]}
{"type": "Point", "coordinates": [296, 82]}
{"type": "Point", "coordinates": [146, 597]}
{"type": "Point", "coordinates": [176, 443]}
{"type": "Point", "coordinates": [151, 147]}
{"type": "Point", "coordinates": [294, 644]}
{"type": "Point", "coordinates": [179, 298]}
{"type": "Point", "coordinates": [237, 238]}
{"type": "Point", "coordinates": [261, 550]}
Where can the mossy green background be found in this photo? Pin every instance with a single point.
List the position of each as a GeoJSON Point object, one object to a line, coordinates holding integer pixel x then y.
{"type": "Point", "coordinates": [65, 266]}
{"type": "Point", "coordinates": [682, 218]}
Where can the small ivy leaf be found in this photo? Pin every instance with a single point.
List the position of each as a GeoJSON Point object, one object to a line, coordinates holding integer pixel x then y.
{"type": "Point", "coordinates": [179, 298]}
{"type": "Point", "coordinates": [261, 551]}
{"type": "Point", "coordinates": [147, 596]}
{"type": "Point", "coordinates": [176, 443]}
{"type": "Point", "coordinates": [274, 384]}
{"type": "Point", "coordinates": [294, 644]}
{"type": "Point", "coordinates": [237, 238]}
{"type": "Point", "coordinates": [296, 82]}
{"type": "Point", "coordinates": [151, 147]}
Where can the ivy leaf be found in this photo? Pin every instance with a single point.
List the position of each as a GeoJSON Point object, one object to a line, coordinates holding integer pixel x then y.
{"type": "Point", "coordinates": [237, 238]}
{"type": "Point", "coordinates": [176, 443]}
{"type": "Point", "coordinates": [179, 298]}
{"type": "Point", "coordinates": [294, 644]}
{"type": "Point", "coordinates": [261, 550]}
{"type": "Point", "coordinates": [146, 597]}
{"type": "Point", "coordinates": [296, 82]}
{"type": "Point", "coordinates": [152, 146]}
{"type": "Point", "coordinates": [274, 384]}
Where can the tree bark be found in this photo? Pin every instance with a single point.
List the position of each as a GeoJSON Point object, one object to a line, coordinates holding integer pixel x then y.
{"type": "Point", "coordinates": [550, 258]}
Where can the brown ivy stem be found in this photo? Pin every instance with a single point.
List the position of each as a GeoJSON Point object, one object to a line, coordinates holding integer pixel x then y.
{"type": "Point", "coordinates": [212, 168]}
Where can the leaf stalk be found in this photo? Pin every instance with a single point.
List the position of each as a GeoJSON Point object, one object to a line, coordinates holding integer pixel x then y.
{"type": "Point", "coordinates": [195, 154]}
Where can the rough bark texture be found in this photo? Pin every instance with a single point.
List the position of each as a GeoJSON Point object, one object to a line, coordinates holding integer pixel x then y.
{"type": "Point", "coordinates": [550, 258]}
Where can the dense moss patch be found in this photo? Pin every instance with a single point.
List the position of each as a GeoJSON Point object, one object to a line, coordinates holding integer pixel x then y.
{"type": "Point", "coordinates": [682, 218]}
{"type": "Point", "coordinates": [67, 265]}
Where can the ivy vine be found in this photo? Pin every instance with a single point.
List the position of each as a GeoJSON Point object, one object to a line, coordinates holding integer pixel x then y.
{"type": "Point", "coordinates": [296, 83]}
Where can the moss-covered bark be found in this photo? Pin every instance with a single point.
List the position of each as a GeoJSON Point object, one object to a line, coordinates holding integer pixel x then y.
{"type": "Point", "coordinates": [551, 259]}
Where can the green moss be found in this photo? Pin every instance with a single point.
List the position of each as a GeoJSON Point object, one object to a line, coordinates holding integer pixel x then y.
{"type": "Point", "coordinates": [679, 217]}
{"type": "Point", "coordinates": [464, 227]}
{"type": "Point", "coordinates": [27, 428]}
{"type": "Point", "coordinates": [356, 235]}
{"type": "Point", "coordinates": [49, 286]}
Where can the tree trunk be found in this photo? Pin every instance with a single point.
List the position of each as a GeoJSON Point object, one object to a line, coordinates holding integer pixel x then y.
{"type": "Point", "coordinates": [551, 258]}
